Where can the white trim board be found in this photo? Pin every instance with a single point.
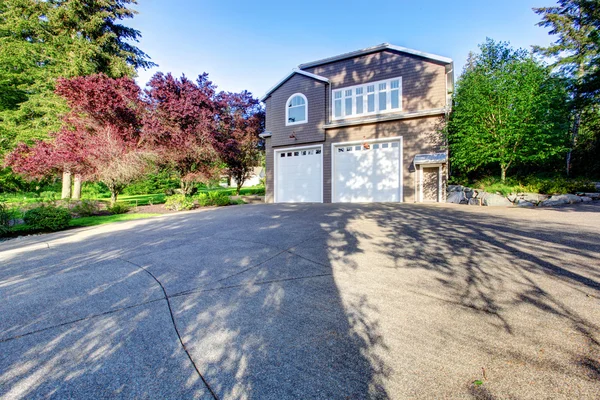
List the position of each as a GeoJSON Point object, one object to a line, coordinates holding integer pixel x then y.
{"type": "Point", "coordinates": [275, 161]}
{"type": "Point", "coordinates": [378, 140]}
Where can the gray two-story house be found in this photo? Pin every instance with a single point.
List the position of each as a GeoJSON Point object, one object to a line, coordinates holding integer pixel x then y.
{"type": "Point", "coordinates": [359, 127]}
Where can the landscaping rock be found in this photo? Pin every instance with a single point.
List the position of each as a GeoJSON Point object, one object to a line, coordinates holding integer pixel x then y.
{"type": "Point", "coordinates": [523, 203]}
{"type": "Point", "coordinates": [560, 199]}
{"type": "Point", "coordinates": [593, 196]}
{"type": "Point", "coordinates": [455, 188]}
{"type": "Point", "coordinates": [456, 197]}
{"type": "Point", "coordinates": [512, 198]}
{"type": "Point", "coordinates": [494, 200]}
{"type": "Point", "coordinates": [470, 193]}
{"type": "Point", "coordinates": [585, 199]}
{"type": "Point", "coordinates": [474, 202]}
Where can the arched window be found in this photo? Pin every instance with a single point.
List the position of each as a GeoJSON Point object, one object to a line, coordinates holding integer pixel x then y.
{"type": "Point", "coordinates": [296, 109]}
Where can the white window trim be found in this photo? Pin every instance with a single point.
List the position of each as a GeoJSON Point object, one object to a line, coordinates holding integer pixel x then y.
{"type": "Point", "coordinates": [370, 141]}
{"type": "Point", "coordinates": [276, 161]}
{"type": "Point", "coordinates": [365, 96]}
{"type": "Point", "coordinates": [287, 110]}
{"type": "Point", "coordinates": [440, 170]}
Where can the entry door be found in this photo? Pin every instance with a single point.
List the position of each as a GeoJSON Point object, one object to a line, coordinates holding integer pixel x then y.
{"type": "Point", "coordinates": [431, 183]}
{"type": "Point", "coordinates": [367, 172]}
{"type": "Point", "coordinates": [299, 175]}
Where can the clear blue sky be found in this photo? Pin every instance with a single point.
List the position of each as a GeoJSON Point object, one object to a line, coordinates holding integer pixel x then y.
{"type": "Point", "coordinates": [251, 45]}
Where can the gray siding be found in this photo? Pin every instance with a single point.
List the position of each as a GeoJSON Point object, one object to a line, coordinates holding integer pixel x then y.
{"type": "Point", "coordinates": [423, 81]}
{"type": "Point", "coordinates": [312, 131]}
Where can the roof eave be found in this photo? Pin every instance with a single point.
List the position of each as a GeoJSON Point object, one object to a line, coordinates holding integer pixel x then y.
{"type": "Point", "coordinates": [288, 76]}
{"type": "Point", "coordinates": [374, 49]}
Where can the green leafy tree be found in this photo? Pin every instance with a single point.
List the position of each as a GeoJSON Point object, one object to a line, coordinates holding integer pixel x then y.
{"type": "Point", "coordinates": [508, 111]}
{"type": "Point", "coordinates": [576, 52]}
{"type": "Point", "coordinates": [43, 40]}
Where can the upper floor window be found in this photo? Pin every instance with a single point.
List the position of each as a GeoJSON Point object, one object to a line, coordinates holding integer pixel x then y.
{"type": "Point", "coordinates": [296, 109]}
{"type": "Point", "coordinates": [368, 99]}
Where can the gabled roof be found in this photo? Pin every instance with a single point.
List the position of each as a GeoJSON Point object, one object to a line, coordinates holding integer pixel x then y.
{"type": "Point", "coordinates": [288, 76]}
{"type": "Point", "coordinates": [374, 49]}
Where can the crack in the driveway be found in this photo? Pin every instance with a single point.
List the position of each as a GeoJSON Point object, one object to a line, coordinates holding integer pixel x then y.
{"type": "Point", "coordinates": [2, 340]}
{"type": "Point", "coordinates": [200, 290]}
{"type": "Point", "coordinates": [175, 327]}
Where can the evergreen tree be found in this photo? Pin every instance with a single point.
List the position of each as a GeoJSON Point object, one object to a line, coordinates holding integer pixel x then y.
{"type": "Point", "coordinates": [576, 50]}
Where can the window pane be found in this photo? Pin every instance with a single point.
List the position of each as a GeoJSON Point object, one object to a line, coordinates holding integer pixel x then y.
{"type": "Point", "coordinates": [359, 104]}
{"type": "Point", "coordinates": [382, 101]}
{"type": "Point", "coordinates": [348, 92]}
{"type": "Point", "coordinates": [382, 86]}
{"type": "Point", "coordinates": [348, 108]}
{"type": "Point", "coordinates": [337, 94]}
{"type": "Point", "coordinates": [359, 90]}
{"type": "Point", "coordinates": [395, 84]}
{"type": "Point", "coordinates": [370, 88]}
{"type": "Point", "coordinates": [395, 98]}
{"type": "Point", "coordinates": [296, 101]}
{"type": "Point", "coordinates": [371, 103]}
{"type": "Point", "coordinates": [296, 114]}
{"type": "Point", "coordinates": [338, 108]}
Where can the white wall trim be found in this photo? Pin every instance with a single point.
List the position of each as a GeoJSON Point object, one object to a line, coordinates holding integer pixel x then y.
{"type": "Point", "coordinates": [383, 117]}
{"type": "Point", "coordinates": [276, 161]}
{"type": "Point", "coordinates": [287, 110]}
{"type": "Point", "coordinates": [378, 140]}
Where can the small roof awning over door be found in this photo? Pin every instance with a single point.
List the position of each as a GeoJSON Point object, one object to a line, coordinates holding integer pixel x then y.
{"type": "Point", "coordinates": [431, 158]}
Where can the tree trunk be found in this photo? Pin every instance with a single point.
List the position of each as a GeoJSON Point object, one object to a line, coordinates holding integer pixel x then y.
{"type": "Point", "coordinates": [66, 185]}
{"type": "Point", "coordinates": [503, 173]}
{"type": "Point", "coordinates": [113, 197]}
{"type": "Point", "coordinates": [574, 134]}
{"type": "Point", "coordinates": [76, 187]}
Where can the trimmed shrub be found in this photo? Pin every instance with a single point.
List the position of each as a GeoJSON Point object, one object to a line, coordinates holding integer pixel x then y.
{"type": "Point", "coordinates": [47, 218]}
{"type": "Point", "coordinates": [179, 202]}
{"type": "Point", "coordinates": [215, 198]}
{"type": "Point", "coordinates": [203, 200]}
{"type": "Point", "coordinates": [49, 196]}
{"type": "Point", "coordinates": [219, 199]}
{"type": "Point", "coordinates": [118, 208]}
{"type": "Point", "coordinates": [85, 208]}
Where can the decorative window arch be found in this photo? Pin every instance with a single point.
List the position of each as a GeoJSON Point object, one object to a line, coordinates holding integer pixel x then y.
{"type": "Point", "coordinates": [296, 109]}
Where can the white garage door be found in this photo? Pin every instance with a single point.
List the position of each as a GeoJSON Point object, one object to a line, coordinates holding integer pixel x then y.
{"type": "Point", "coordinates": [299, 175]}
{"type": "Point", "coordinates": [367, 172]}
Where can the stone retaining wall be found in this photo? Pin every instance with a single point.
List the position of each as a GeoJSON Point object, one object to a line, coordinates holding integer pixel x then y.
{"type": "Point", "coordinates": [464, 195]}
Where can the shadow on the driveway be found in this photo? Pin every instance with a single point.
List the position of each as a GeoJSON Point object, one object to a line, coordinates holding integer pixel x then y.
{"type": "Point", "coordinates": [304, 301]}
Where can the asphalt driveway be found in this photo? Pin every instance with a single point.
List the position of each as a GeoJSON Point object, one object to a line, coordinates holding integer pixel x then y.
{"type": "Point", "coordinates": [308, 301]}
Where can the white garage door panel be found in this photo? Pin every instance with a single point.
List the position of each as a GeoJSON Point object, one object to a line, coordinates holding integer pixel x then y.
{"type": "Point", "coordinates": [367, 175]}
{"type": "Point", "coordinates": [299, 176]}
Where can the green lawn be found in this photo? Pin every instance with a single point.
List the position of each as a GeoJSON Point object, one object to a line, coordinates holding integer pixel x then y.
{"type": "Point", "coordinates": [141, 199]}
{"type": "Point", "coordinates": [107, 219]}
